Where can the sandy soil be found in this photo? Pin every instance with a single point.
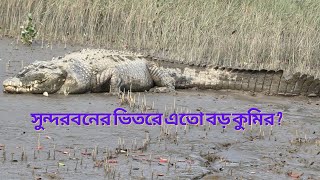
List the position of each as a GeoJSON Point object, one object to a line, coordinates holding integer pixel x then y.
{"type": "Point", "coordinates": [288, 151]}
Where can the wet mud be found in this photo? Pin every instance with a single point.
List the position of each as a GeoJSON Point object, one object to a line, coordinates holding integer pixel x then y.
{"type": "Point", "coordinates": [287, 151]}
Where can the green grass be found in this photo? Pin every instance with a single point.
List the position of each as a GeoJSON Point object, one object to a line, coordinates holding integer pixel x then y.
{"type": "Point", "coordinates": [269, 34]}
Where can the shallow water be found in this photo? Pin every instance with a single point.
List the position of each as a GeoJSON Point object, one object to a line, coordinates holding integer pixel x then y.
{"type": "Point", "coordinates": [193, 152]}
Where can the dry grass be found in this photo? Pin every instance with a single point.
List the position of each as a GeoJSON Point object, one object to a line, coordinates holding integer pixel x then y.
{"type": "Point", "coordinates": [268, 34]}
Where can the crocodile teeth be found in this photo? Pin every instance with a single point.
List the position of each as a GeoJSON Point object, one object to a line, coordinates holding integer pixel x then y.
{"type": "Point", "coordinates": [20, 83]}
{"type": "Point", "coordinates": [10, 83]}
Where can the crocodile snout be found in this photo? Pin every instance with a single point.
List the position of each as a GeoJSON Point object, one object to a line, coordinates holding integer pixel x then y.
{"type": "Point", "coordinates": [12, 85]}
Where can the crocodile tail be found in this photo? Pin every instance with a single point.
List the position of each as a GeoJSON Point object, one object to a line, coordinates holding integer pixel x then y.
{"type": "Point", "coordinates": [268, 82]}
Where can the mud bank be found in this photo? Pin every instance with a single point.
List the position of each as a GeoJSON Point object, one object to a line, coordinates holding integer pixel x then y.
{"type": "Point", "coordinates": [144, 152]}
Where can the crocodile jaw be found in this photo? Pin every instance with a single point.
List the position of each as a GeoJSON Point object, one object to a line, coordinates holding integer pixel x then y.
{"type": "Point", "coordinates": [14, 85]}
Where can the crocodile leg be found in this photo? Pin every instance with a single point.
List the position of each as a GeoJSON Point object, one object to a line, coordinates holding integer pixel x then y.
{"type": "Point", "coordinates": [160, 77]}
{"type": "Point", "coordinates": [108, 80]}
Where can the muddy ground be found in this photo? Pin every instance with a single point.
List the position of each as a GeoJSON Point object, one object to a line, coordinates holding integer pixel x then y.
{"type": "Point", "coordinates": [289, 151]}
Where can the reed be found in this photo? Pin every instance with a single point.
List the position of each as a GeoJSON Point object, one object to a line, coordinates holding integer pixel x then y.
{"type": "Point", "coordinates": [251, 34]}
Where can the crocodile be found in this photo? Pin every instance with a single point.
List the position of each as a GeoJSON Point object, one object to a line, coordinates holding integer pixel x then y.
{"type": "Point", "coordinates": [101, 70]}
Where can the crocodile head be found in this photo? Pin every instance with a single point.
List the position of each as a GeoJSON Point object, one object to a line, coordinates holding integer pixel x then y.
{"type": "Point", "coordinates": [38, 77]}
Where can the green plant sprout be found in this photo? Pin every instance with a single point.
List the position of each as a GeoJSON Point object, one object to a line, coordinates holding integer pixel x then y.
{"type": "Point", "coordinates": [28, 31]}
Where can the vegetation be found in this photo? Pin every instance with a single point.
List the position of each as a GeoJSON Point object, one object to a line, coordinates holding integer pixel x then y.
{"type": "Point", "coordinates": [28, 31]}
{"type": "Point", "coordinates": [269, 34]}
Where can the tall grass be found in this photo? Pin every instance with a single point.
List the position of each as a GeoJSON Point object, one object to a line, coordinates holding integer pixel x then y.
{"type": "Point", "coordinates": [269, 34]}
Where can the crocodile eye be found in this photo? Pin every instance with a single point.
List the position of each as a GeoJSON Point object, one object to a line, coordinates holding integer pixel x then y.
{"type": "Point", "coordinates": [23, 72]}
{"type": "Point", "coordinates": [42, 66]}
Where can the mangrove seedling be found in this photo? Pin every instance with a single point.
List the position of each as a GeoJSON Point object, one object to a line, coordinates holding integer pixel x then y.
{"type": "Point", "coordinates": [28, 31]}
